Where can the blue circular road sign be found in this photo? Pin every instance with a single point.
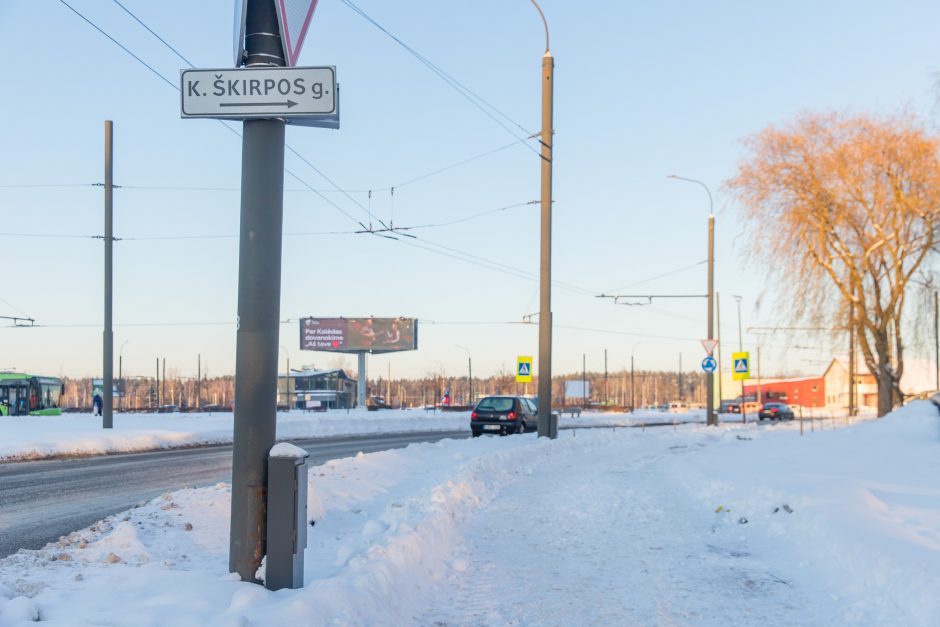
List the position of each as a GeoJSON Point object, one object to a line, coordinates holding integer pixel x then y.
{"type": "Point", "coordinates": [709, 364]}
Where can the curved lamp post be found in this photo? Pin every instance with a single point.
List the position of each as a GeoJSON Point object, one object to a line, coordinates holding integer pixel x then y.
{"type": "Point", "coordinates": [712, 419]}
{"type": "Point", "coordinates": [545, 249]}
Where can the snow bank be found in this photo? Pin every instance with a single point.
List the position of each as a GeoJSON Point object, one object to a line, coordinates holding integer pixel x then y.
{"type": "Point", "coordinates": [754, 525]}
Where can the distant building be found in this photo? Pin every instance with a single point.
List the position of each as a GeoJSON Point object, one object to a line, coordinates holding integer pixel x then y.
{"type": "Point", "coordinates": [317, 389]}
{"type": "Point", "coordinates": [831, 389]}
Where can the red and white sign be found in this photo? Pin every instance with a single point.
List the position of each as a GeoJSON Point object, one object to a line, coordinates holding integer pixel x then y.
{"type": "Point", "coordinates": [293, 16]}
{"type": "Point", "coordinates": [709, 346]}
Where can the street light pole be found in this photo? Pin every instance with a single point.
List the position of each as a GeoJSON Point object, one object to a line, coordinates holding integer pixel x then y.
{"type": "Point", "coordinates": [469, 375]}
{"type": "Point", "coordinates": [121, 373]}
{"type": "Point", "coordinates": [545, 249]}
{"type": "Point", "coordinates": [712, 417]}
{"type": "Point", "coordinates": [632, 387]}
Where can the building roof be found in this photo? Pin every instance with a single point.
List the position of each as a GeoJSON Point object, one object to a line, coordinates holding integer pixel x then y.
{"type": "Point", "coordinates": [312, 374]}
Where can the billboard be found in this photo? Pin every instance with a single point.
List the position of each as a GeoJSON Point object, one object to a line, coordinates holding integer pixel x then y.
{"type": "Point", "coordinates": [359, 335]}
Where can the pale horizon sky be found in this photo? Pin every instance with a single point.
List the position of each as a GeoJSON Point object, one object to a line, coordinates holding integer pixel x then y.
{"type": "Point", "coordinates": [642, 91]}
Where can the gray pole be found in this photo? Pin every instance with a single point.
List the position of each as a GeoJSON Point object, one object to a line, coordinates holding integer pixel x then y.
{"type": "Point", "coordinates": [157, 384]}
{"type": "Point", "coordinates": [163, 384]}
{"type": "Point", "coordinates": [107, 398]}
{"type": "Point", "coordinates": [363, 383]}
{"type": "Point", "coordinates": [680, 377]}
{"type": "Point", "coordinates": [605, 378]}
{"type": "Point", "coordinates": [584, 392]}
{"type": "Point", "coordinates": [470, 378]}
{"type": "Point", "coordinates": [632, 396]}
{"type": "Point", "coordinates": [545, 248]}
{"type": "Point", "coordinates": [712, 416]}
{"type": "Point", "coordinates": [852, 357]}
{"type": "Point", "coordinates": [259, 295]}
{"type": "Point", "coordinates": [718, 320]}
{"type": "Point", "coordinates": [936, 334]}
{"type": "Point", "coordinates": [199, 381]}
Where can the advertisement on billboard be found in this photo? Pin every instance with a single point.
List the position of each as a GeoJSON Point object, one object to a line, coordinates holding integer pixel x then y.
{"type": "Point", "coordinates": [359, 335]}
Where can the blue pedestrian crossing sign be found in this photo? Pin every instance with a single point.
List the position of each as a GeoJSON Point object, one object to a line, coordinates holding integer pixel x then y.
{"type": "Point", "coordinates": [709, 364]}
{"type": "Point", "coordinates": [524, 370]}
{"type": "Point", "coordinates": [741, 366]}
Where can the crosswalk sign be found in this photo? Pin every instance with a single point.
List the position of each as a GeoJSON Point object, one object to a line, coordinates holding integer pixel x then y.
{"type": "Point", "coordinates": [741, 366]}
{"type": "Point", "coordinates": [524, 370]}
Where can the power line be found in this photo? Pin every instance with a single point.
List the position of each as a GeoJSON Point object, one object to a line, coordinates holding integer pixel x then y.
{"type": "Point", "coordinates": [660, 276]}
{"type": "Point", "coordinates": [120, 45]}
{"type": "Point", "coordinates": [462, 89]}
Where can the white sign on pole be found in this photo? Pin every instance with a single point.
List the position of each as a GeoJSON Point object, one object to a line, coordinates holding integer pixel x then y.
{"type": "Point", "coordinates": [251, 93]}
{"type": "Point", "coordinates": [293, 18]}
{"type": "Point", "coordinates": [709, 346]}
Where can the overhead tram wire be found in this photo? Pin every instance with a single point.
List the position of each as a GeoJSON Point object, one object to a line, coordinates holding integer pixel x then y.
{"type": "Point", "coordinates": [292, 149]}
{"type": "Point", "coordinates": [462, 89]}
{"type": "Point", "coordinates": [176, 87]}
{"type": "Point", "coordinates": [444, 75]}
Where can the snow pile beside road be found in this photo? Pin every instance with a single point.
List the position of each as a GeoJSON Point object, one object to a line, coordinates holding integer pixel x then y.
{"type": "Point", "coordinates": [753, 525]}
{"type": "Point", "coordinates": [37, 437]}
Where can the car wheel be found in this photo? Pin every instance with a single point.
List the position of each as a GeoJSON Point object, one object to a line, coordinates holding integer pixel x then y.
{"type": "Point", "coordinates": [521, 428]}
{"type": "Point", "coordinates": [476, 433]}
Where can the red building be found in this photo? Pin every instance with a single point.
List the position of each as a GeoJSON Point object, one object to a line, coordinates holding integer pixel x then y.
{"type": "Point", "coordinates": [807, 391]}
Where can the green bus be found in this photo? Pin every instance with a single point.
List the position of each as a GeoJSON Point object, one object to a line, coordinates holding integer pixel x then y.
{"type": "Point", "coordinates": [25, 394]}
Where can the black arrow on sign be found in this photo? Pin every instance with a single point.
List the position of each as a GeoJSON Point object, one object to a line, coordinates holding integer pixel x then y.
{"type": "Point", "coordinates": [288, 104]}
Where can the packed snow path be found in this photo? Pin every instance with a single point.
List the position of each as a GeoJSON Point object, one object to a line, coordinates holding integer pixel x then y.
{"type": "Point", "coordinates": [622, 545]}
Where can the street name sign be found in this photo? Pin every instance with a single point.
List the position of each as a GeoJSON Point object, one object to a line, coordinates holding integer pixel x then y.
{"type": "Point", "coordinates": [259, 93]}
{"type": "Point", "coordinates": [741, 366]}
{"type": "Point", "coordinates": [709, 364]}
{"type": "Point", "coordinates": [524, 370]}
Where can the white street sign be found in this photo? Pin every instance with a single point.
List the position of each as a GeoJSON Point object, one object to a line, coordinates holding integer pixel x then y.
{"type": "Point", "coordinates": [293, 19]}
{"type": "Point", "coordinates": [249, 93]}
{"type": "Point", "coordinates": [709, 346]}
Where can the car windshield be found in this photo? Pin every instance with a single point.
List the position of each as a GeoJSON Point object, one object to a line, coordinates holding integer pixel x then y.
{"type": "Point", "coordinates": [496, 403]}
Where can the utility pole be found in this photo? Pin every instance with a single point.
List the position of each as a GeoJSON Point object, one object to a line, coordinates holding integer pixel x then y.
{"type": "Point", "coordinates": [163, 384]}
{"type": "Point", "coordinates": [107, 388]}
{"type": "Point", "coordinates": [606, 399]}
{"type": "Point", "coordinates": [584, 392]}
{"type": "Point", "coordinates": [259, 296]}
{"type": "Point", "coordinates": [545, 247]}
{"type": "Point", "coordinates": [852, 374]}
{"type": "Point", "coordinates": [680, 378]}
{"type": "Point", "coordinates": [199, 381]}
{"type": "Point", "coordinates": [157, 379]}
{"type": "Point", "coordinates": [711, 416]}
{"type": "Point", "coordinates": [632, 388]}
{"type": "Point", "coordinates": [936, 335]}
{"type": "Point", "coordinates": [741, 349]}
{"type": "Point", "coordinates": [718, 316]}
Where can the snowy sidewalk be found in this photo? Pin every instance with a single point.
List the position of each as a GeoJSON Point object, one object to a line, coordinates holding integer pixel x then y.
{"type": "Point", "coordinates": [744, 526]}
{"type": "Point", "coordinates": [607, 540]}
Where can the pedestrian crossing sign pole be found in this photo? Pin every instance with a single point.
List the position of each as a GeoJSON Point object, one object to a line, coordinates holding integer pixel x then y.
{"type": "Point", "coordinates": [741, 366]}
{"type": "Point", "coordinates": [524, 370]}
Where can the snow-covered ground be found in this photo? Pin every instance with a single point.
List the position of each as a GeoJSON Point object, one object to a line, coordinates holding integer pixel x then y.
{"type": "Point", "coordinates": [752, 525]}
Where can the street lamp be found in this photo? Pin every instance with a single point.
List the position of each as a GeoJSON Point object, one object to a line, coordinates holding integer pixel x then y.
{"type": "Point", "coordinates": [545, 247]}
{"type": "Point", "coordinates": [469, 375]}
{"type": "Point", "coordinates": [712, 419]}
{"type": "Point", "coordinates": [632, 387]}
{"type": "Point", "coordinates": [120, 371]}
{"type": "Point", "coordinates": [740, 336]}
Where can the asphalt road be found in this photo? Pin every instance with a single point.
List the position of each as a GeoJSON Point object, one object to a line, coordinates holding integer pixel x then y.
{"type": "Point", "coordinates": [42, 500]}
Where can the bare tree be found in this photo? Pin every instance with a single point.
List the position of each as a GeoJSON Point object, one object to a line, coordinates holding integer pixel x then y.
{"type": "Point", "coordinates": [843, 211]}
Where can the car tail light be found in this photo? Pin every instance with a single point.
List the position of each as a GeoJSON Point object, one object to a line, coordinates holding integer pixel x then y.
{"type": "Point", "coordinates": [511, 415]}
{"type": "Point", "coordinates": [473, 416]}
{"type": "Point", "coordinates": [774, 410]}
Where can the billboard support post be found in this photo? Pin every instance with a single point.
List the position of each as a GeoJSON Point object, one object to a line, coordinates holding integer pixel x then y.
{"type": "Point", "coordinates": [259, 289]}
{"type": "Point", "coordinates": [363, 381]}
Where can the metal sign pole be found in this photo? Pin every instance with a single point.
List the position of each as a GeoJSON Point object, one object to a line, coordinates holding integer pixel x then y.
{"type": "Point", "coordinates": [259, 290]}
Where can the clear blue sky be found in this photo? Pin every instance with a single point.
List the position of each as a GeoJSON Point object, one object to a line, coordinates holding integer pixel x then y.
{"type": "Point", "coordinates": [642, 90]}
